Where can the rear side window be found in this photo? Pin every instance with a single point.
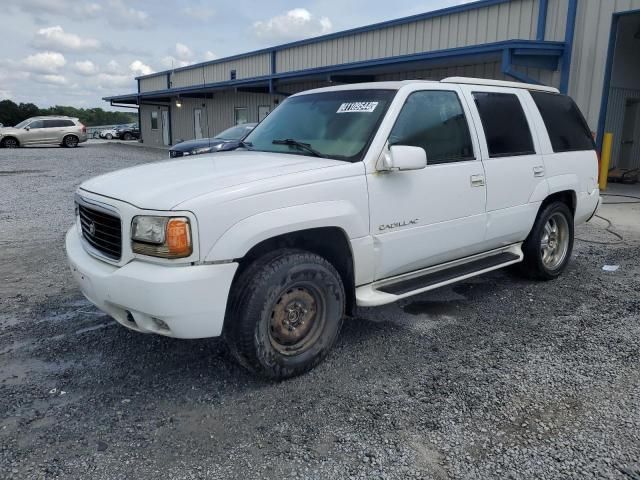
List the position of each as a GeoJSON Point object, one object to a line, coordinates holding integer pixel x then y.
{"type": "Point", "coordinates": [504, 123]}
{"type": "Point", "coordinates": [567, 128]}
{"type": "Point", "coordinates": [435, 121]}
{"type": "Point", "coordinates": [66, 123]}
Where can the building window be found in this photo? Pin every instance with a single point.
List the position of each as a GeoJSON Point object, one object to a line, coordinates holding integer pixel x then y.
{"type": "Point", "coordinates": [263, 111]}
{"type": "Point", "coordinates": [154, 120]}
{"type": "Point", "coordinates": [233, 74]}
{"type": "Point", "coordinates": [505, 124]}
{"type": "Point", "coordinates": [434, 121]}
{"type": "Point", "coordinates": [241, 115]}
{"type": "Point", "coordinates": [567, 128]}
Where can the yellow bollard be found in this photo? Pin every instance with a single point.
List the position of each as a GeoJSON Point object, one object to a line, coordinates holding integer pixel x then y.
{"type": "Point", "coordinates": [605, 160]}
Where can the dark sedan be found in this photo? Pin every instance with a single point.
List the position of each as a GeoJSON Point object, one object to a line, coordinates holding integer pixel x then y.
{"type": "Point", "coordinates": [226, 140]}
{"type": "Point", "coordinates": [128, 132]}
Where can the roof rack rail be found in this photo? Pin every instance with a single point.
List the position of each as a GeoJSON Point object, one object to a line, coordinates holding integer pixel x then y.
{"type": "Point", "coordinates": [500, 83]}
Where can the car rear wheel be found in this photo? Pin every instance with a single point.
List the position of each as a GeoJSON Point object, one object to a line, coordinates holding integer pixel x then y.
{"type": "Point", "coordinates": [127, 136]}
{"type": "Point", "coordinates": [548, 247]}
{"type": "Point", "coordinates": [108, 136]}
{"type": "Point", "coordinates": [10, 143]}
{"type": "Point", "coordinates": [286, 314]}
{"type": "Point", "coordinates": [70, 141]}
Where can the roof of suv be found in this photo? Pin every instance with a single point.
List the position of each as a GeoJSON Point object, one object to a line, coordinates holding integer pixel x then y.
{"type": "Point", "coordinates": [396, 85]}
{"type": "Point", "coordinates": [39, 117]}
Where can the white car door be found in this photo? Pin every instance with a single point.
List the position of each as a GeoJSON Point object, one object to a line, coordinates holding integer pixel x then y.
{"type": "Point", "coordinates": [424, 217]}
{"type": "Point", "coordinates": [514, 167]}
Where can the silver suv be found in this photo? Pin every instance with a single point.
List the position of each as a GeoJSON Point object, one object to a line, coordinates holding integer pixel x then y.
{"type": "Point", "coordinates": [64, 131]}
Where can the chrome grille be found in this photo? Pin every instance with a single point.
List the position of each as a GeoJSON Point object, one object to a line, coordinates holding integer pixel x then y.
{"type": "Point", "coordinates": [102, 231]}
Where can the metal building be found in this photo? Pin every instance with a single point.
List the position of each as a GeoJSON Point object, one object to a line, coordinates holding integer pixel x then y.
{"type": "Point", "coordinates": [587, 48]}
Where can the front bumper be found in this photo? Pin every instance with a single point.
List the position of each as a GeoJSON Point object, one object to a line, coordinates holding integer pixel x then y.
{"type": "Point", "coordinates": [176, 301]}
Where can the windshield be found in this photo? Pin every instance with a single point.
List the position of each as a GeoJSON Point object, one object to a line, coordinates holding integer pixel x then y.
{"type": "Point", "coordinates": [234, 133]}
{"type": "Point", "coordinates": [23, 123]}
{"type": "Point", "coordinates": [337, 124]}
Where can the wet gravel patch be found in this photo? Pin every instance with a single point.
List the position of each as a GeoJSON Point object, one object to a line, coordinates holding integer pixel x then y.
{"type": "Point", "coordinates": [496, 377]}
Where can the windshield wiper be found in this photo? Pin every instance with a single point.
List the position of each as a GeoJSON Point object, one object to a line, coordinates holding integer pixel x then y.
{"type": "Point", "coordinates": [302, 146]}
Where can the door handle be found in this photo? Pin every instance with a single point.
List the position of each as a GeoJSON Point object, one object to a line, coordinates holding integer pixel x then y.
{"type": "Point", "coordinates": [538, 171]}
{"type": "Point", "coordinates": [477, 180]}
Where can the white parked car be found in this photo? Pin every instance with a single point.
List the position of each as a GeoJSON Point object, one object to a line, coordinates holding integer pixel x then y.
{"type": "Point", "coordinates": [108, 133]}
{"type": "Point", "coordinates": [343, 196]}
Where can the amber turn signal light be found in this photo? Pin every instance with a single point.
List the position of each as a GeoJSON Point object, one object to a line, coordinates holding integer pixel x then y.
{"type": "Point", "coordinates": [179, 237]}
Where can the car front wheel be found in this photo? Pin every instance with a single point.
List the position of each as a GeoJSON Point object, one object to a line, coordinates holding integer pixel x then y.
{"type": "Point", "coordinates": [127, 136]}
{"type": "Point", "coordinates": [10, 143]}
{"type": "Point", "coordinates": [548, 247]}
{"type": "Point", "coordinates": [286, 313]}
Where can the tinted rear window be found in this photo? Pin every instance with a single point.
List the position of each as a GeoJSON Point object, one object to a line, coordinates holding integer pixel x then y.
{"type": "Point", "coordinates": [504, 123]}
{"type": "Point", "coordinates": [568, 130]}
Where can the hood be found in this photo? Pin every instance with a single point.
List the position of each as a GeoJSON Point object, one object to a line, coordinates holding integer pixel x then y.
{"type": "Point", "coordinates": [163, 185]}
{"type": "Point", "coordinates": [199, 143]}
{"type": "Point", "coordinates": [8, 130]}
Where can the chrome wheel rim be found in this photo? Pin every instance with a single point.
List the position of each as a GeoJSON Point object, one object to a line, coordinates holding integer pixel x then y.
{"type": "Point", "coordinates": [554, 244]}
{"type": "Point", "coordinates": [10, 143]}
{"type": "Point", "coordinates": [297, 320]}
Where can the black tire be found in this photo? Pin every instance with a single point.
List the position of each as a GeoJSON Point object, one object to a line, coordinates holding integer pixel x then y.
{"type": "Point", "coordinates": [10, 142]}
{"type": "Point", "coordinates": [70, 141]}
{"type": "Point", "coordinates": [108, 136]}
{"type": "Point", "coordinates": [127, 136]}
{"type": "Point", "coordinates": [537, 264]}
{"type": "Point", "coordinates": [259, 333]}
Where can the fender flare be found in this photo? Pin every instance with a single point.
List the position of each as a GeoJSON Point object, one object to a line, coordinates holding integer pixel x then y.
{"type": "Point", "coordinates": [245, 234]}
{"type": "Point", "coordinates": [555, 184]}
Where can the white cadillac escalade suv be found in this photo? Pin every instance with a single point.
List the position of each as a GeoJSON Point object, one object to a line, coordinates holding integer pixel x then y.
{"type": "Point", "coordinates": [343, 196]}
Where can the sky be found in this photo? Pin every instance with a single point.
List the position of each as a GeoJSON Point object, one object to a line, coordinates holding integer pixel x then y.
{"type": "Point", "coordinates": [74, 52]}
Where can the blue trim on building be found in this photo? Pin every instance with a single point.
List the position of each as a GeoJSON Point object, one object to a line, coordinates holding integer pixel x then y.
{"type": "Point", "coordinates": [487, 48]}
{"type": "Point", "coordinates": [543, 7]}
{"type": "Point", "coordinates": [507, 68]}
{"type": "Point", "coordinates": [522, 46]}
{"type": "Point", "coordinates": [345, 33]}
{"type": "Point", "coordinates": [572, 12]}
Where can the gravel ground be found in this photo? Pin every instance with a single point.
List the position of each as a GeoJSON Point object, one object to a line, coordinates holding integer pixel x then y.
{"type": "Point", "coordinates": [495, 377]}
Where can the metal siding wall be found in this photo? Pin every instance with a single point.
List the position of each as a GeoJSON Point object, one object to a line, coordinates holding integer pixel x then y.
{"type": "Point", "coordinates": [593, 27]}
{"type": "Point", "coordinates": [516, 19]}
{"type": "Point", "coordinates": [254, 66]}
{"type": "Point", "coordinates": [556, 20]}
{"type": "Point", "coordinates": [219, 112]}
{"type": "Point", "coordinates": [478, 70]}
{"type": "Point", "coordinates": [187, 78]}
{"type": "Point", "coordinates": [615, 120]}
{"type": "Point", "coordinates": [152, 84]}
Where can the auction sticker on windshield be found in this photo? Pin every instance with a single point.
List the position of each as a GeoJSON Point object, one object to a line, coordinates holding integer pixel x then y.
{"type": "Point", "coordinates": [367, 107]}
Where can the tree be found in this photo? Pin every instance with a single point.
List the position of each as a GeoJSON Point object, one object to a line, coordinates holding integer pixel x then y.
{"type": "Point", "coordinates": [12, 114]}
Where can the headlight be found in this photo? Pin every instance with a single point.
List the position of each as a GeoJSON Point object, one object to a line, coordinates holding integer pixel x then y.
{"type": "Point", "coordinates": [165, 237]}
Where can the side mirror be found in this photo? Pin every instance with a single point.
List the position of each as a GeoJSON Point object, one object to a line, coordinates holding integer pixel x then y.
{"type": "Point", "coordinates": [27, 128]}
{"type": "Point", "coordinates": [403, 157]}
